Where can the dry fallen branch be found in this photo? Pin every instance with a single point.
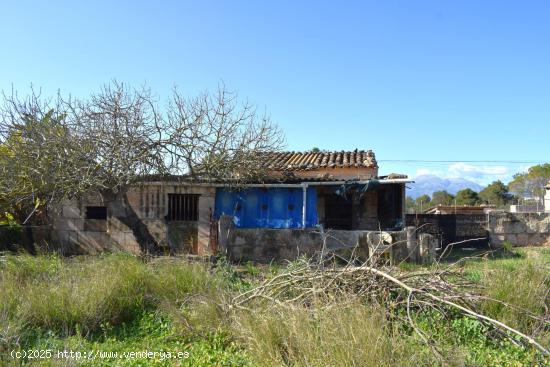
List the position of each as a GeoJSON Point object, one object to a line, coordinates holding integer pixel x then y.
{"type": "Point", "coordinates": [443, 290]}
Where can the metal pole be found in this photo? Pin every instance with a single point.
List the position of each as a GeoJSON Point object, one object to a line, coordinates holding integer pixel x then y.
{"type": "Point", "coordinates": [304, 197]}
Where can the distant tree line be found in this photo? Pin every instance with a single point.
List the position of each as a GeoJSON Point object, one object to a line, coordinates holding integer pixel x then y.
{"type": "Point", "coordinates": [527, 186]}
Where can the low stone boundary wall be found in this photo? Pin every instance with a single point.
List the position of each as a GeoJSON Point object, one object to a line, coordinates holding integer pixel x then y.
{"type": "Point", "coordinates": [265, 245]}
{"type": "Point", "coordinates": [519, 229]}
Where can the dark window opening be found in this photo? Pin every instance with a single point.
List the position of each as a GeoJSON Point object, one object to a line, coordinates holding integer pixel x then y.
{"type": "Point", "coordinates": [390, 207]}
{"type": "Point", "coordinates": [183, 207]}
{"type": "Point", "coordinates": [338, 212]}
{"type": "Point", "coordinates": [96, 212]}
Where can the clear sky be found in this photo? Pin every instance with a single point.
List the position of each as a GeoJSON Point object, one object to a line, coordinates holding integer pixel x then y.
{"type": "Point", "coordinates": [412, 80]}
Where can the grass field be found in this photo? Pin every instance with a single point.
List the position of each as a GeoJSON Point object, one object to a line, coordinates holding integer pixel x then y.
{"type": "Point", "coordinates": [117, 303]}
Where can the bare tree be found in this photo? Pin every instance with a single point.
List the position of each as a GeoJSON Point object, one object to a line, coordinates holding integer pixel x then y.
{"type": "Point", "coordinates": [119, 139]}
{"type": "Point", "coordinates": [123, 133]}
{"type": "Point", "coordinates": [112, 140]}
{"type": "Point", "coordinates": [213, 137]}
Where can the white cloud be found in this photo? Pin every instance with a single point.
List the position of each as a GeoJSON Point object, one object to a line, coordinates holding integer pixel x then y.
{"type": "Point", "coordinates": [479, 174]}
{"type": "Point", "coordinates": [426, 171]}
{"type": "Point", "coordinates": [468, 170]}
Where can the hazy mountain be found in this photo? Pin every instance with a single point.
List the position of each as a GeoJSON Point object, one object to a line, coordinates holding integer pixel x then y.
{"type": "Point", "coordinates": [427, 184]}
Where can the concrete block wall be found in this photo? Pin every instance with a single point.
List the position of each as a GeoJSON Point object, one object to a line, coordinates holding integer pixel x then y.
{"type": "Point", "coordinates": [74, 234]}
{"type": "Point", "coordinates": [520, 229]}
{"type": "Point", "coordinates": [364, 210]}
{"type": "Point", "coordinates": [470, 226]}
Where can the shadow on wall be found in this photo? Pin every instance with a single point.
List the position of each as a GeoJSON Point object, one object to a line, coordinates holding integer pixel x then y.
{"type": "Point", "coordinates": [30, 239]}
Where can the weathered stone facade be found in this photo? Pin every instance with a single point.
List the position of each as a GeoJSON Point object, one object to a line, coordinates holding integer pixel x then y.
{"type": "Point", "coordinates": [266, 245]}
{"type": "Point", "coordinates": [520, 229]}
{"type": "Point", "coordinates": [353, 214]}
{"type": "Point", "coordinates": [359, 173]}
{"type": "Point", "coordinates": [73, 233]}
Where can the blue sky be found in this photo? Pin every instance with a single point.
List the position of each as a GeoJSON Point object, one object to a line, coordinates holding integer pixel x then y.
{"type": "Point", "coordinates": [413, 80]}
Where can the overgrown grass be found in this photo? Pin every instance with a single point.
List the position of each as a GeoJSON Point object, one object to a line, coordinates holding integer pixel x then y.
{"type": "Point", "coordinates": [45, 300]}
{"type": "Point", "coordinates": [348, 334]}
{"type": "Point", "coordinates": [87, 292]}
{"type": "Point", "coordinates": [523, 283]}
{"type": "Point", "coordinates": [118, 303]}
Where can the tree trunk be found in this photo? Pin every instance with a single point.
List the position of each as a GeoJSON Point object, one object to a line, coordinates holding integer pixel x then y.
{"type": "Point", "coordinates": [29, 239]}
{"type": "Point", "coordinates": [122, 210]}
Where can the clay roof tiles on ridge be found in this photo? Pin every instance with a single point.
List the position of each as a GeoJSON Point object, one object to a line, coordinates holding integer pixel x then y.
{"type": "Point", "coordinates": [301, 161]}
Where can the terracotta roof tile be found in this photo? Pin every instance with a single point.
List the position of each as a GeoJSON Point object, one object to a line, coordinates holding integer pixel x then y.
{"type": "Point", "coordinates": [301, 161]}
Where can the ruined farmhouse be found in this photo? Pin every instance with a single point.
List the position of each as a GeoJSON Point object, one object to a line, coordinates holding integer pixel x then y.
{"type": "Point", "coordinates": [280, 217]}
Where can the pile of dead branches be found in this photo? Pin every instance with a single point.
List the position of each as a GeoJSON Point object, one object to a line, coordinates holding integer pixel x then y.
{"type": "Point", "coordinates": [310, 283]}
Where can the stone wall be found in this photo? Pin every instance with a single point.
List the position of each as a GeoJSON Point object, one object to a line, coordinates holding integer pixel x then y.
{"type": "Point", "coordinates": [451, 228]}
{"type": "Point", "coordinates": [520, 229]}
{"type": "Point", "coordinates": [73, 233]}
{"type": "Point", "coordinates": [265, 245]}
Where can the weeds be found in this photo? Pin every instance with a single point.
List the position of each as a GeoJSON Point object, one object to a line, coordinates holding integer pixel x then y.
{"type": "Point", "coordinates": [118, 302]}
{"type": "Point", "coordinates": [86, 293]}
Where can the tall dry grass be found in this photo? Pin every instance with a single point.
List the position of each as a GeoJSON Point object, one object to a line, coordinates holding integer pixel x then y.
{"type": "Point", "coordinates": [81, 294]}
{"type": "Point", "coordinates": [527, 288]}
{"type": "Point", "coordinates": [348, 333]}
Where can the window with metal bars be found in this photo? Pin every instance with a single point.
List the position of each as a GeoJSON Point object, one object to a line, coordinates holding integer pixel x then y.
{"type": "Point", "coordinates": [183, 207]}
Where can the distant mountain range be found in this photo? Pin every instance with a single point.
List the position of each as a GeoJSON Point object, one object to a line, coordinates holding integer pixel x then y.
{"type": "Point", "coordinates": [428, 184]}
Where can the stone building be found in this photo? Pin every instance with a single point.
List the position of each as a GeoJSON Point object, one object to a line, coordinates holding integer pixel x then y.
{"type": "Point", "coordinates": [306, 192]}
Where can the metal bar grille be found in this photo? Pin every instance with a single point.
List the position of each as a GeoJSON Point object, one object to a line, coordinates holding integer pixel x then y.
{"type": "Point", "coordinates": [183, 207]}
